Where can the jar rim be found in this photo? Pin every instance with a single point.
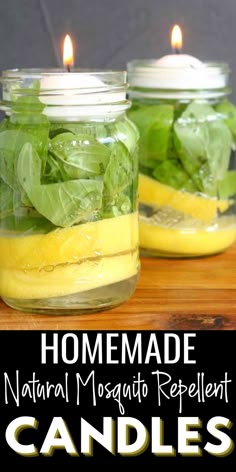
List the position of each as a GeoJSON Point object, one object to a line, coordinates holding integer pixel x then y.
{"type": "Point", "coordinates": [151, 74]}
{"type": "Point", "coordinates": [152, 63]}
{"type": "Point", "coordinates": [118, 77]}
{"type": "Point", "coordinates": [76, 93]}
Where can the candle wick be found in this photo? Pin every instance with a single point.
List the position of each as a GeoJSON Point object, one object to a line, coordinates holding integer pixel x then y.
{"type": "Point", "coordinates": [177, 50]}
{"type": "Point", "coordinates": [68, 67]}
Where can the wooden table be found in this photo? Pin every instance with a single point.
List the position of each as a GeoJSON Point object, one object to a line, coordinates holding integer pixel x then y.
{"type": "Point", "coordinates": [171, 295]}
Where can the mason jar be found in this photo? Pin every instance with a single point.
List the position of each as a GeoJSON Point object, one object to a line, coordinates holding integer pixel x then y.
{"type": "Point", "coordinates": [68, 191]}
{"type": "Point", "coordinates": [187, 180]}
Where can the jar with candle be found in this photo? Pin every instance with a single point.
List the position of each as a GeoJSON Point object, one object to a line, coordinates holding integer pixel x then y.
{"type": "Point", "coordinates": [187, 180]}
{"type": "Point", "coordinates": [68, 191]}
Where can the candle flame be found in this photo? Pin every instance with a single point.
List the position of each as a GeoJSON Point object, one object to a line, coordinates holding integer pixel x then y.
{"type": "Point", "coordinates": [176, 38]}
{"type": "Point", "coordinates": [68, 58]}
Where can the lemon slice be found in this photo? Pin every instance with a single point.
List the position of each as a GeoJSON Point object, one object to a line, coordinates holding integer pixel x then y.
{"type": "Point", "coordinates": [66, 280]}
{"type": "Point", "coordinates": [187, 242]}
{"type": "Point", "coordinates": [152, 192]}
{"type": "Point", "coordinates": [70, 245]}
{"type": "Point", "coordinates": [69, 260]}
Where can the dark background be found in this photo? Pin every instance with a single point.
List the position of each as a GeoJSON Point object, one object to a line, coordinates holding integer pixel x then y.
{"type": "Point", "coordinates": [108, 33]}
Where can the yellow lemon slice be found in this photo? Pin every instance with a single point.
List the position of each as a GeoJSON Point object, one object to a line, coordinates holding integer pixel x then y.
{"type": "Point", "coordinates": [68, 279]}
{"type": "Point", "coordinates": [154, 193]}
{"type": "Point", "coordinates": [184, 242]}
{"type": "Point", "coordinates": [70, 245]}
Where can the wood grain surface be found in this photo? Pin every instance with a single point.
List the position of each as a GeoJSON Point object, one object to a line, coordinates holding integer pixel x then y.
{"type": "Point", "coordinates": [171, 295]}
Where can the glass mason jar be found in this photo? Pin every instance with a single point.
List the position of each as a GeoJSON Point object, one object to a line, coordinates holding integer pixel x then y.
{"type": "Point", "coordinates": [68, 191]}
{"type": "Point", "coordinates": [187, 180]}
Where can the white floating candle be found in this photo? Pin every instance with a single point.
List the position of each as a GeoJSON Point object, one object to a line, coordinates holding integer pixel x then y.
{"type": "Point", "coordinates": [65, 88]}
{"type": "Point", "coordinates": [65, 92]}
{"type": "Point", "coordinates": [176, 71]}
{"type": "Point", "coordinates": [70, 88]}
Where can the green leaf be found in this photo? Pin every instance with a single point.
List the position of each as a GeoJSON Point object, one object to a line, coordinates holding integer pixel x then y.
{"type": "Point", "coordinates": [203, 143]}
{"type": "Point", "coordinates": [4, 124]}
{"type": "Point", "coordinates": [26, 117]}
{"type": "Point", "coordinates": [82, 157]}
{"type": "Point", "coordinates": [54, 131]}
{"type": "Point", "coordinates": [26, 224]}
{"type": "Point", "coordinates": [6, 199]}
{"type": "Point", "coordinates": [119, 171]}
{"type": "Point", "coordinates": [154, 124]}
{"type": "Point", "coordinates": [14, 216]}
{"type": "Point", "coordinates": [126, 132]}
{"type": "Point", "coordinates": [64, 204]}
{"type": "Point", "coordinates": [171, 172]}
{"type": "Point", "coordinates": [54, 171]}
{"type": "Point", "coordinates": [37, 126]}
{"type": "Point", "coordinates": [227, 187]}
{"type": "Point", "coordinates": [228, 113]}
{"type": "Point", "coordinates": [11, 143]}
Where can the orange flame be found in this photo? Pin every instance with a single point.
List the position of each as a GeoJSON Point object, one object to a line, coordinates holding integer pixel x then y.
{"type": "Point", "coordinates": [176, 37]}
{"type": "Point", "coordinates": [68, 58]}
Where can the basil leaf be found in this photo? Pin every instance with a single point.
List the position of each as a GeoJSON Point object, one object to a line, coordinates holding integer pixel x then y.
{"type": "Point", "coordinates": [26, 224]}
{"type": "Point", "coordinates": [127, 133]}
{"type": "Point", "coordinates": [64, 204]}
{"type": "Point", "coordinates": [228, 112]}
{"type": "Point", "coordinates": [54, 171]}
{"type": "Point", "coordinates": [171, 172]}
{"type": "Point", "coordinates": [27, 117]}
{"type": "Point", "coordinates": [15, 217]}
{"type": "Point", "coordinates": [6, 199]}
{"type": "Point", "coordinates": [227, 187]}
{"type": "Point", "coordinates": [4, 124]}
{"type": "Point", "coordinates": [82, 157]}
{"type": "Point", "coordinates": [37, 126]}
{"type": "Point", "coordinates": [11, 143]}
{"type": "Point", "coordinates": [119, 171]}
{"type": "Point", "coordinates": [53, 132]}
{"type": "Point", "coordinates": [203, 143]}
{"type": "Point", "coordinates": [154, 124]}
